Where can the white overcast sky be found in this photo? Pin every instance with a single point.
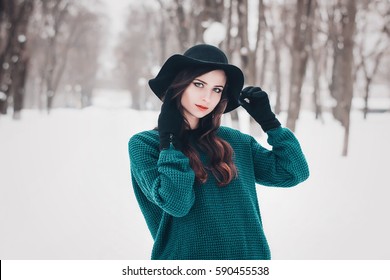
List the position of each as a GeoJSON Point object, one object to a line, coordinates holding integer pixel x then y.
{"type": "Point", "coordinates": [116, 9]}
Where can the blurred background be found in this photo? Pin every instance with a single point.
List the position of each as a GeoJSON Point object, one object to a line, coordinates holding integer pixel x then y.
{"type": "Point", "coordinates": [73, 89]}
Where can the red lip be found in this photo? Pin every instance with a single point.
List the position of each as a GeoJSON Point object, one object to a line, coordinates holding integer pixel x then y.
{"type": "Point", "coordinates": [203, 108]}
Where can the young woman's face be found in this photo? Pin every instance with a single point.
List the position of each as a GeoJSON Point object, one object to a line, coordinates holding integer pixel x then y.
{"type": "Point", "coordinates": [202, 96]}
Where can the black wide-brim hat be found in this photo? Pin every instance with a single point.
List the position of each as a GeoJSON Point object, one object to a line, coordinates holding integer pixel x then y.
{"type": "Point", "coordinates": [200, 55]}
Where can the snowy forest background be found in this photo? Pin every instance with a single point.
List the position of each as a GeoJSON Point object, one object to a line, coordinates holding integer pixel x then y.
{"type": "Point", "coordinates": [73, 89]}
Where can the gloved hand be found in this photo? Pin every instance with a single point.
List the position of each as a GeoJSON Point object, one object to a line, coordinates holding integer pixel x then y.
{"type": "Point", "coordinates": [170, 122]}
{"type": "Point", "coordinates": [256, 102]}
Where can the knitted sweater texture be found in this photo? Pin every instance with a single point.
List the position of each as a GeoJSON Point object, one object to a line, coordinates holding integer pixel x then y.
{"type": "Point", "coordinates": [188, 220]}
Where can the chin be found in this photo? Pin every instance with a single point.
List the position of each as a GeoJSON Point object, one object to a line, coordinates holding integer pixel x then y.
{"type": "Point", "coordinates": [202, 115]}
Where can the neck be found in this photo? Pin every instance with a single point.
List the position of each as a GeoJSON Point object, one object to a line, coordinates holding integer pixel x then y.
{"type": "Point", "coordinates": [193, 122]}
{"type": "Point", "coordinates": [194, 126]}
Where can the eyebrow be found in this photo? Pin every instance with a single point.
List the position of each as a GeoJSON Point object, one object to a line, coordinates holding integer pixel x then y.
{"type": "Point", "coordinates": [207, 83]}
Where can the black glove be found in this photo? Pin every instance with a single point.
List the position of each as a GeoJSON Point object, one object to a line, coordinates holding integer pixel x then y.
{"type": "Point", "coordinates": [256, 102]}
{"type": "Point", "coordinates": [170, 123]}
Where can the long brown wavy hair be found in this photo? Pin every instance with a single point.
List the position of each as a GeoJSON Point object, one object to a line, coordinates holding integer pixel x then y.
{"type": "Point", "coordinates": [219, 152]}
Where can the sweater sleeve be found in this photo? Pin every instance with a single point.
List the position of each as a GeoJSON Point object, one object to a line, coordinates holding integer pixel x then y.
{"type": "Point", "coordinates": [165, 177]}
{"type": "Point", "coordinates": [284, 165]}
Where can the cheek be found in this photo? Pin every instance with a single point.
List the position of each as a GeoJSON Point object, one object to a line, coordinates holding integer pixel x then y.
{"type": "Point", "coordinates": [185, 99]}
{"type": "Point", "coordinates": [215, 100]}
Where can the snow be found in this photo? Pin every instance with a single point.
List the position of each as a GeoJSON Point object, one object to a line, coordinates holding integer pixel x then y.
{"type": "Point", "coordinates": [22, 38]}
{"type": "Point", "coordinates": [3, 96]}
{"type": "Point", "coordinates": [5, 65]}
{"type": "Point", "coordinates": [214, 34]}
{"type": "Point", "coordinates": [66, 192]}
{"type": "Point", "coordinates": [14, 58]}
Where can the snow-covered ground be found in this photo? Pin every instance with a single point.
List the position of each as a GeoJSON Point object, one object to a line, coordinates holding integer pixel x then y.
{"type": "Point", "coordinates": [65, 189]}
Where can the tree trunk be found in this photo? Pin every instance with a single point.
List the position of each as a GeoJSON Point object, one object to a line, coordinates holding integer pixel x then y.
{"type": "Point", "coordinates": [56, 63]}
{"type": "Point", "coordinates": [263, 70]}
{"type": "Point", "coordinates": [13, 57]}
{"type": "Point", "coordinates": [369, 77]}
{"type": "Point", "coordinates": [18, 88]}
{"type": "Point", "coordinates": [366, 97]}
{"type": "Point", "coordinates": [301, 41]}
{"type": "Point", "coordinates": [342, 76]}
{"type": "Point", "coordinates": [235, 119]}
{"type": "Point", "coordinates": [316, 84]}
{"type": "Point", "coordinates": [277, 41]}
{"type": "Point", "coordinates": [183, 30]}
{"type": "Point", "coordinates": [277, 77]}
{"type": "Point", "coordinates": [229, 48]}
{"type": "Point", "coordinates": [248, 55]}
{"type": "Point", "coordinates": [163, 40]}
{"type": "Point", "coordinates": [213, 11]}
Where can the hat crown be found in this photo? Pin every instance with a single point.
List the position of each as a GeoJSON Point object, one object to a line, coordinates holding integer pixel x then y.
{"type": "Point", "coordinates": [206, 53]}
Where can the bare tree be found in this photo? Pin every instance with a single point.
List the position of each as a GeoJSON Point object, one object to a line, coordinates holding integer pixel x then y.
{"type": "Point", "coordinates": [192, 18]}
{"type": "Point", "coordinates": [13, 57]}
{"type": "Point", "coordinates": [136, 53]}
{"type": "Point", "coordinates": [228, 43]}
{"type": "Point", "coordinates": [341, 88]}
{"type": "Point", "coordinates": [162, 33]}
{"type": "Point", "coordinates": [278, 26]}
{"type": "Point", "coordinates": [247, 53]}
{"type": "Point", "coordinates": [210, 12]}
{"type": "Point", "coordinates": [300, 51]}
{"type": "Point", "coordinates": [64, 52]}
{"type": "Point", "coordinates": [319, 57]}
{"type": "Point", "coordinates": [55, 15]}
{"type": "Point", "coordinates": [66, 49]}
{"type": "Point", "coordinates": [183, 25]}
{"type": "Point", "coordinates": [276, 43]}
{"type": "Point", "coordinates": [369, 56]}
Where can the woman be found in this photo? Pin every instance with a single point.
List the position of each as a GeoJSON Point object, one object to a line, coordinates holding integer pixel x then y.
{"type": "Point", "coordinates": [194, 179]}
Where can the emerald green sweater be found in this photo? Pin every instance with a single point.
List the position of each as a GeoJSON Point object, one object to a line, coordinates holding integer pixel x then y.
{"type": "Point", "coordinates": [192, 221]}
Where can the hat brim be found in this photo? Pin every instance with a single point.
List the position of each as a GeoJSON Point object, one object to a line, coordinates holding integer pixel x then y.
{"type": "Point", "coordinates": [178, 62]}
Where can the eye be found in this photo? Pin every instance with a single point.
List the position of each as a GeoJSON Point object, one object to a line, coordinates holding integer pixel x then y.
{"type": "Point", "coordinates": [198, 84]}
{"type": "Point", "coordinates": [218, 90]}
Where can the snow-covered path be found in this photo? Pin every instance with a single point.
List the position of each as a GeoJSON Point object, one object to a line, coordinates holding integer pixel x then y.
{"type": "Point", "coordinates": [65, 190]}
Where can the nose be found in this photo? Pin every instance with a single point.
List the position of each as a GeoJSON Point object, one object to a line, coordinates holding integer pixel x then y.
{"type": "Point", "coordinates": [207, 95]}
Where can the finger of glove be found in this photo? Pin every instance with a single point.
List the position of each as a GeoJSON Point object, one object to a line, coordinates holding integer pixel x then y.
{"type": "Point", "coordinates": [256, 92]}
{"type": "Point", "coordinates": [256, 89]}
{"type": "Point", "coordinates": [246, 94]}
{"type": "Point", "coordinates": [260, 97]}
{"type": "Point", "coordinates": [170, 114]}
{"type": "Point", "coordinates": [246, 89]}
{"type": "Point", "coordinates": [169, 108]}
{"type": "Point", "coordinates": [245, 104]}
{"type": "Point", "coordinates": [246, 101]}
{"type": "Point", "coordinates": [252, 92]}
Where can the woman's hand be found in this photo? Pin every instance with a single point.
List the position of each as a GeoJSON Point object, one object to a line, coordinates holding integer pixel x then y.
{"type": "Point", "coordinates": [255, 101]}
{"type": "Point", "coordinates": [170, 123]}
